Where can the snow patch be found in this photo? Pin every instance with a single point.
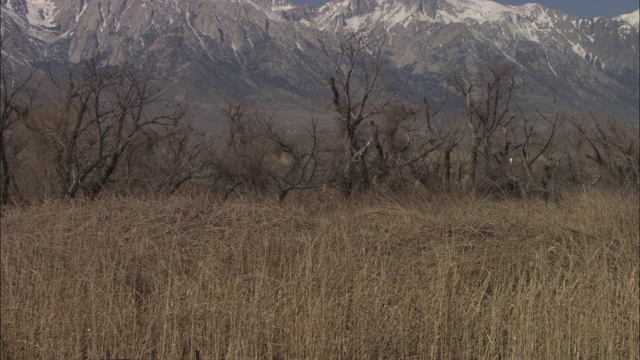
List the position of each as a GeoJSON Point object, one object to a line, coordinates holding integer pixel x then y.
{"type": "Point", "coordinates": [400, 14]}
{"type": "Point", "coordinates": [41, 13]}
{"type": "Point", "coordinates": [329, 11]}
{"type": "Point", "coordinates": [549, 63]}
{"type": "Point", "coordinates": [632, 18]}
{"type": "Point", "coordinates": [84, 7]}
{"type": "Point", "coordinates": [283, 8]}
{"type": "Point", "coordinates": [477, 10]}
{"type": "Point", "coordinates": [578, 50]}
{"type": "Point", "coordinates": [480, 11]}
{"type": "Point", "coordinates": [388, 13]}
{"type": "Point", "coordinates": [551, 67]}
{"type": "Point", "coordinates": [356, 23]}
{"type": "Point", "coordinates": [269, 14]}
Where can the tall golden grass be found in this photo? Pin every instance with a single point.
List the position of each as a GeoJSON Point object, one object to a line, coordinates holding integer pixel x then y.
{"type": "Point", "coordinates": [441, 277]}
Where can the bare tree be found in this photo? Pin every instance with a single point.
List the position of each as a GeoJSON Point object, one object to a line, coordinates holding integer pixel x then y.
{"type": "Point", "coordinates": [394, 141]}
{"type": "Point", "coordinates": [300, 163]}
{"type": "Point", "coordinates": [98, 115]}
{"type": "Point", "coordinates": [242, 161]}
{"type": "Point", "coordinates": [17, 93]}
{"type": "Point", "coordinates": [402, 143]}
{"type": "Point", "coordinates": [259, 156]}
{"type": "Point", "coordinates": [487, 109]}
{"type": "Point", "coordinates": [356, 64]}
{"type": "Point", "coordinates": [182, 155]}
{"type": "Point", "coordinates": [524, 146]}
{"type": "Point", "coordinates": [235, 114]}
{"type": "Point", "coordinates": [447, 135]}
{"type": "Point", "coordinates": [613, 147]}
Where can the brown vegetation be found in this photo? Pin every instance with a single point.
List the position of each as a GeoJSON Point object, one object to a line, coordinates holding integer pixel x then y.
{"type": "Point", "coordinates": [116, 128]}
{"type": "Point", "coordinates": [441, 277]}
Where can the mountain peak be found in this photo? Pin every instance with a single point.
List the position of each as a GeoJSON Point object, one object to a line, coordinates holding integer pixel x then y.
{"type": "Point", "coordinates": [477, 10]}
{"type": "Point", "coordinates": [270, 4]}
{"type": "Point", "coordinates": [632, 18]}
{"type": "Point", "coordinates": [481, 5]}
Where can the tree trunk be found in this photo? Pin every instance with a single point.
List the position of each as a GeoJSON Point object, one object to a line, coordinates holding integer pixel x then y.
{"type": "Point", "coordinates": [474, 160]}
{"type": "Point", "coordinates": [5, 176]}
{"type": "Point", "coordinates": [99, 185]}
{"type": "Point", "coordinates": [349, 152]}
{"type": "Point", "coordinates": [447, 166]}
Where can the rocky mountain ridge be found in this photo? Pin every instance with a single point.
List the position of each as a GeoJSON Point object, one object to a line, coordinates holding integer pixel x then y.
{"type": "Point", "coordinates": [267, 49]}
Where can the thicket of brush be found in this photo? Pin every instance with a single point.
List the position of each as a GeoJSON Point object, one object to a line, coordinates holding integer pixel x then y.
{"type": "Point", "coordinates": [117, 128]}
{"type": "Point", "coordinates": [414, 277]}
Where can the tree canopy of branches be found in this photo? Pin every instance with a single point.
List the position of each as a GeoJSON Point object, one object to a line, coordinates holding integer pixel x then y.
{"type": "Point", "coordinates": [16, 98]}
{"type": "Point", "coordinates": [257, 154]}
{"type": "Point", "coordinates": [487, 109]}
{"type": "Point", "coordinates": [94, 117]}
{"type": "Point", "coordinates": [356, 63]}
{"type": "Point", "coordinates": [119, 127]}
{"type": "Point", "coordinates": [612, 146]}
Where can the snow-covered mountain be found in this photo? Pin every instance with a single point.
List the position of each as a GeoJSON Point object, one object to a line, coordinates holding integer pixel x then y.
{"type": "Point", "coordinates": [267, 48]}
{"type": "Point", "coordinates": [633, 18]}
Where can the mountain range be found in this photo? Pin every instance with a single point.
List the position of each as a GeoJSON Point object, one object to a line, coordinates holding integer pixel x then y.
{"type": "Point", "coordinates": [267, 50]}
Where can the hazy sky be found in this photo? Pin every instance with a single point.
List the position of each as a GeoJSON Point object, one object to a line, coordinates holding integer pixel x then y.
{"type": "Point", "coordinates": [582, 8]}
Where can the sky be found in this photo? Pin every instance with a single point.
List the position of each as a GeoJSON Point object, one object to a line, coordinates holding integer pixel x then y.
{"type": "Point", "coordinates": [581, 8]}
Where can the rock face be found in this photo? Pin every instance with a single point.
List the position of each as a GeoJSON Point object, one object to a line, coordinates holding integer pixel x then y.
{"type": "Point", "coordinates": [267, 49]}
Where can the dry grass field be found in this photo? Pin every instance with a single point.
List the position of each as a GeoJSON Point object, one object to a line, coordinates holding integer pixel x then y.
{"type": "Point", "coordinates": [394, 277]}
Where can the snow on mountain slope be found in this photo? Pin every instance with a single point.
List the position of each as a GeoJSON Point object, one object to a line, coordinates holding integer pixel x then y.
{"type": "Point", "coordinates": [476, 10]}
{"type": "Point", "coordinates": [41, 13]}
{"type": "Point", "coordinates": [388, 13]}
{"type": "Point", "coordinates": [632, 18]}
